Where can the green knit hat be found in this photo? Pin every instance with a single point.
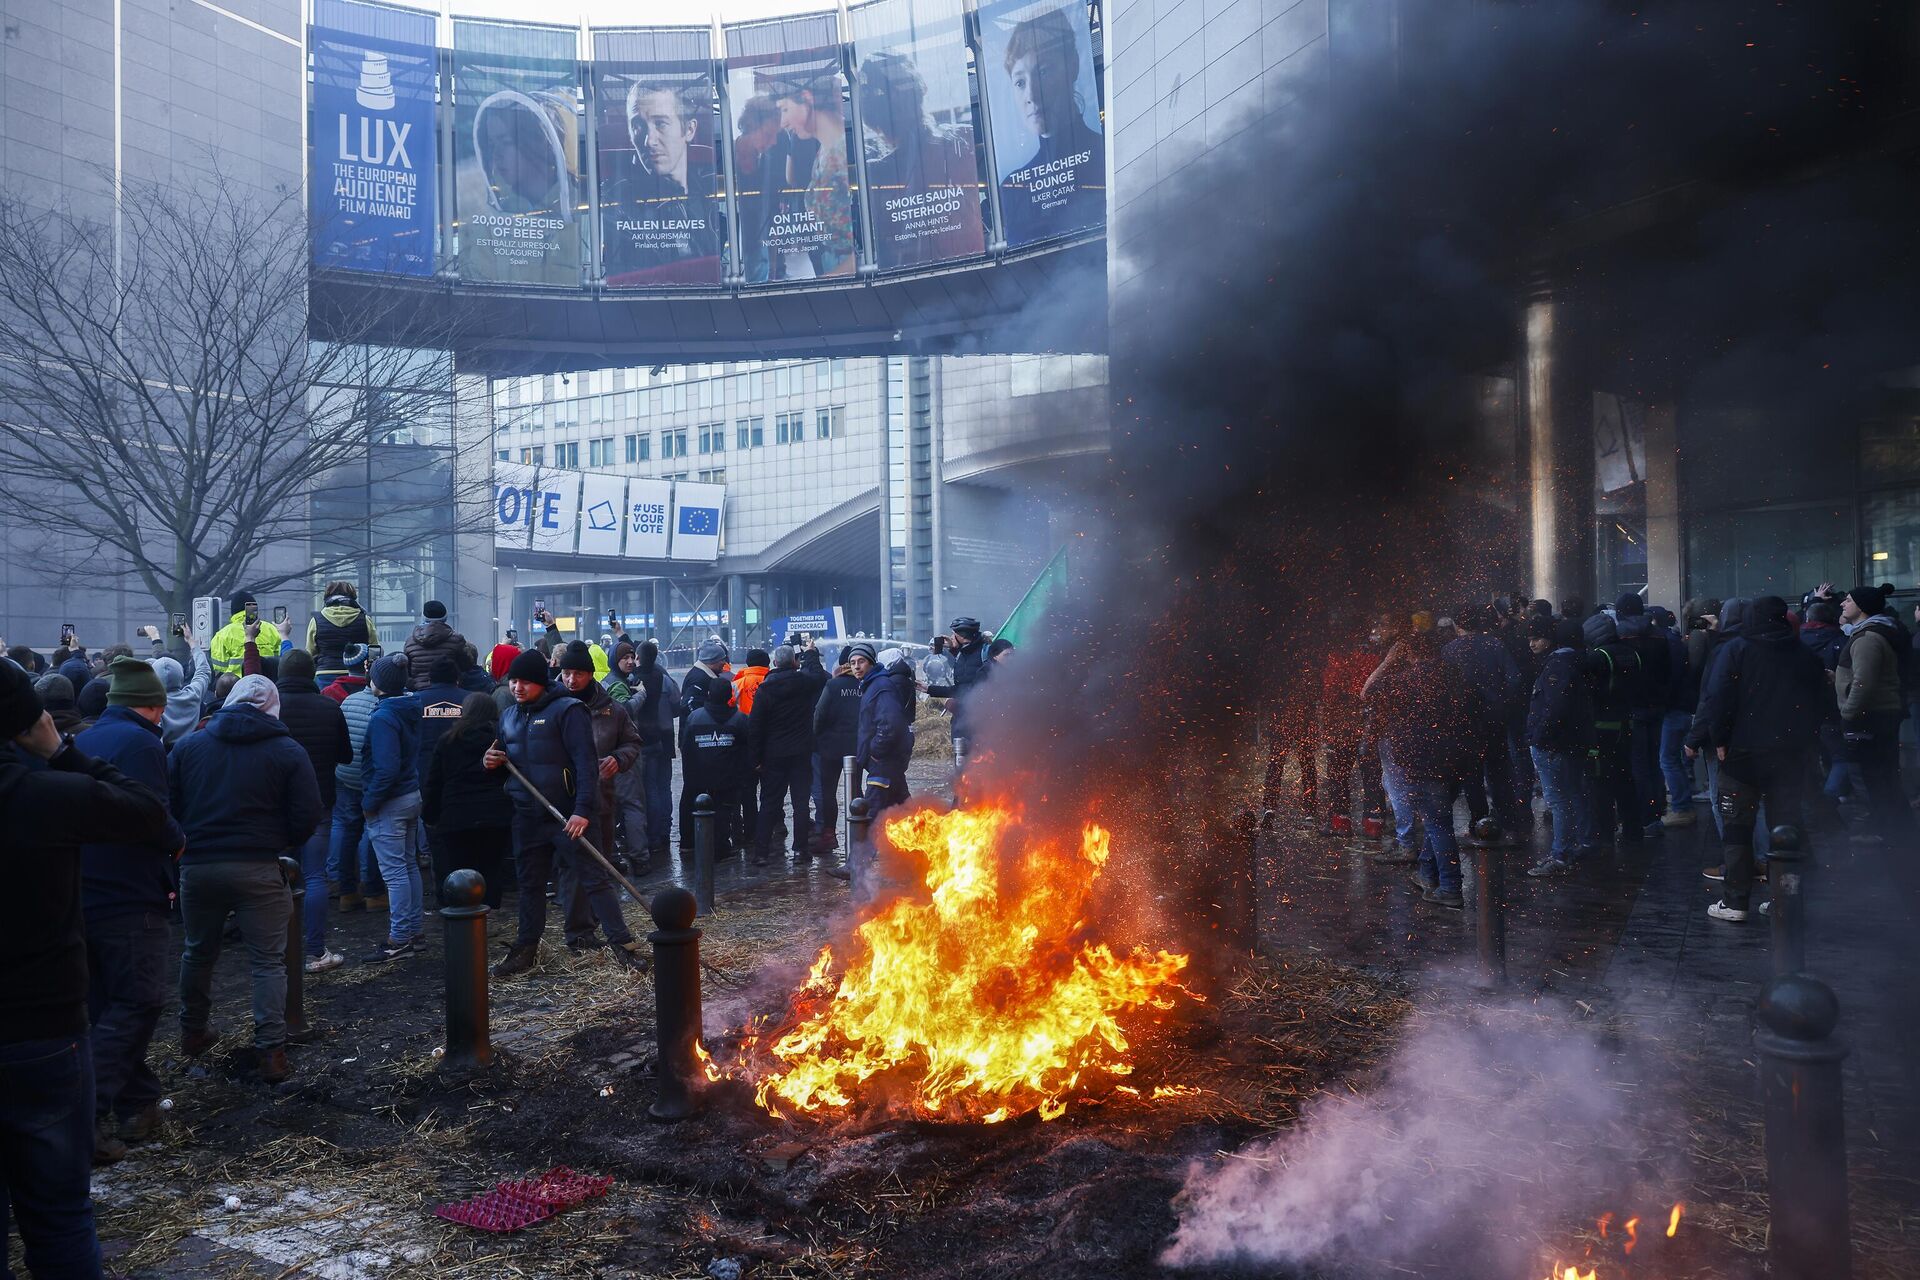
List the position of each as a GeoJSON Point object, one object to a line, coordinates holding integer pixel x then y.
{"type": "Point", "coordinates": [133, 683]}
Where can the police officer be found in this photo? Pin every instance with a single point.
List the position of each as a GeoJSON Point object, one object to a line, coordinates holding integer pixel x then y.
{"type": "Point", "coordinates": [548, 735]}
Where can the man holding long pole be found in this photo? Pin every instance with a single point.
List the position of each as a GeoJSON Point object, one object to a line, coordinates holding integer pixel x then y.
{"type": "Point", "coordinates": [547, 738]}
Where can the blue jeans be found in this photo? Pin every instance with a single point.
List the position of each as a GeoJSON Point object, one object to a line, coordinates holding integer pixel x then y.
{"type": "Point", "coordinates": [1566, 795]}
{"type": "Point", "coordinates": [1675, 768]}
{"type": "Point", "coordinates": [1394, 782]}
{"type": "Point", "coordinates": [46, 1155]}
{"type": "Point", "coordinates": [395, 832]}
{"type": "Point", "coordinates": [126, 989]}
{"type": "Point", "coordinates": [1432, 800]}
{"type": "Point", "coordinates": [313, 909]}
{"type": "Point", "coordinates": [656, 774]}
{"type": "Point", "coordinates": [350, 861]}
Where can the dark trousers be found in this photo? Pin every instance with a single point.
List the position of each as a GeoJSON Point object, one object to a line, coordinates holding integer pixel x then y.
{"type": "Point", "coordinates": [488, 850]}
{"type": "Point", "coordinates": [1490, 790]}
{"type": "Point", "coordinates": [255, 894]}
{"type": "Point", "coordinates": [1295, 740]}
{"type": "Point", "coordinates": [656, 776]}
{"type": "Point", "coordinates": [541, 851]}
{"type": "Point", "coordinates": [784, 779]}
{"type": "Point", "coordinates": [1777, 779]}
{"type": "Point", "coordinates": [46, 1156]}
{"type": "Point", "coordinates": [1373, 789]}
{"type": "Point", "coordinates": [1343, 753]}
{"type": "Point", "coordinates": [1873, 744]}
{"type": "Point", "coordinates": [730, 831]}
{"type": "Point", "coordinates": [1612, 782]}
{"type": "Point", "coordinates": [127, 987]}
{"type": "Point", "coordinates": [1649, 785]}
{"type": "Point", "coordinates": [879, 797]}
{"type": "Point", "coordinates": [826, 798]}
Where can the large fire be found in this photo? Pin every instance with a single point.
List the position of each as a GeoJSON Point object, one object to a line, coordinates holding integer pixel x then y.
{"type": "Point", "coordinates": [984, 999]}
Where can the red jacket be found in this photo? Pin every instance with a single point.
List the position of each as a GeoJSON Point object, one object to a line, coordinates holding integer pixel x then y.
{"type": "Point", "coordinates": [345, 685]}
{"type": "Point", "coordinates": [500, 659]}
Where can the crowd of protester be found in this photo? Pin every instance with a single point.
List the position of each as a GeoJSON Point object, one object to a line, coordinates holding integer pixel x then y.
{"type": "Point", "coordinates": [1608, 715]}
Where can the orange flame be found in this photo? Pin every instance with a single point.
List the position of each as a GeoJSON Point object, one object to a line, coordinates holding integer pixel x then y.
{"type": "Point", "coordinates": [980, 994]}
{"type": "Point", "coordinates": [1673, 1220]}
{"type": "Point", "coordinates": [1633, 1236]}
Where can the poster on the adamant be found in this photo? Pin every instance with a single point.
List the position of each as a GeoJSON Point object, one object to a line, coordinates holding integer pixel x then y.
{"type": "Point", "coordinates": [1037, 63]}
{"type": "Point", "coordinates": [373, 182]}
{"type": "Point", "coordinates": [791, 164]}
{"type": "Point", "coordinates": [916, 111]}
{"type": "Point", "coordinates": [517, 165]}
{"type": "Point", "coordinates": [662, 201]}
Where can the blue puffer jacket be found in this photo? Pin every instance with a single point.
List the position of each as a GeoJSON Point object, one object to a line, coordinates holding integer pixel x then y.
{"type": "Point", "coordinates": [885, 742]}
{"type": "Point", "coordinates": [357, 707]}
{"type": "Point", "coordinates": [243, 790]}
{"type": "Point", "coordinates": [122, 879]}
{"type": "Point", "coordinates": [550, 740]}
{"type": "Point", "coordinates": [1560, 714]}
{"type": "Point", "coordinates": [391, 765]}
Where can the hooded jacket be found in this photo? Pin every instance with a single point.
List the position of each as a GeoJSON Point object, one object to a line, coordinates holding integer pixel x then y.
{"type": "Point", "coordinates": [439, 712]}
{"type": "Point", "coordinates": [836, 718]}
{"type": "Point", "coordinates": [317, 724]}
{"type": "Point", "coordinates": [1866, 679]}
{"type": "Point", "coordinates": [49, 809]}
{"type": "Point", "coordinates": [884, 744]}
{"type": "Point", "coordinates": [1616, 674]}
{"type": "Point", "coordinates": [390, 764]}
{"type": "Point", "coordinates": [1484, 666]}
{"type": "Point", "coordinates": [614, 737]}
{"type": "Point", "coordinates": [1560, 712]}
{"type": "Point", "coordinates": [745, 686]}
{"type": "Point", "coordinates": [971, 667]}
{"type": "Point", "coordinates": [1733, 622]}
{"type": "Point", "coordinates": [781, 723]}
{"type": "Point", "coordinates": [242, 789]}
{"type": "Point", "coordinates": [1426, 709]}
{"type": "Point", "coordinates": [1765, 693]}
{"type": "Point", "coordinates": [229, 646]}
{"type": "Point", "coordinates": [430, 641]}
{"type": "Point", "coordinates": [1824, 641]}
{"type": "Point", "coordinates": [187, 704]}
{"type": "Point", "coordinates": [550, 740]}
{"type": "Point", "coordinates": [339, 623]}
{"type": "Point", "coordinates": [122, 879]}
{"type": "Point", "coordinates": [501, 658]}
{"type": "Point", "coordinates": [719, 754]}
{"type": "Point", "coordinates": [461, 793]}
{"type": "Point", "coordinates": [654, 707]}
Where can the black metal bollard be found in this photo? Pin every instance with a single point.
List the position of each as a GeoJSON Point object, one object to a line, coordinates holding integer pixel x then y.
{"type": "Point", "coordinates": [703, 858]}
{"type": "Point", "coordinates": [860, 849]}
{"type": "Point", "coordinates": [1490, 913]}
{"type": "Point", "coordinates": [296, 951]}
{"type": "Point", "coordinates": [676, 1003]}
{"type": "Point", "coordinates": [1786, 879]}
{"type": "Point", "coordinates": [1800, 1094]}
{"type": "Point", "coordinates": [469, 1039]}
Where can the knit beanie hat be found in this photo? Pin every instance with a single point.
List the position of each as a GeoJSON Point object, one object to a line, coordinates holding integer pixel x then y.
{"type": "Point", "coordinates": [296, 664]}
{"type": "Point", "coordinates": [257, 692]}
{"type": "Point", "coordinates": [577, 657]}
{"type": "Point", "coordinates": [133, 683]}
{"type": "Point", "coordinates": [1539, 628]}
{"type": "Point", "coordinates": [354, 657]}
{"type": "Point", "coordinates": [55, 690]}
{"type": "Point", "coordinates": [389, 676]}
{"type": "Point", "coordinates": [623, 650]}
{"type": "Point", "coordinates": [711, 650]}
{"type": "Point", "coordinates": [860, 649]}
{"type": "Point", "coordinates": [20, 707]}
{"type": "Point", "coordinates": [92, 698]}
{"type": "Point", "coordinates": [1629, 605]}
{"type": "Point", "coordinates": [719, 692]}
{"type": "Point", "coordinates": [1871, 600]}
{"type": "Point", "coordinates": [433, 609]}
{"type": "Point", "coordinates": [529, 665]}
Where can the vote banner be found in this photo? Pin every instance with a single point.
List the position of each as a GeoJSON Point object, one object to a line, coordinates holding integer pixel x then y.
{"type": "Point", "coordinates": [517, 160]}
{"type": "Point", "coordinates": [374, 187]}
{"type": "Point", "coordinates": [534, 509]}
{"type": "Point", "coordinates": [1037, 65]}
{"type": "Point", "coordinates": [661, 199]}
{"type": "Point", "coordinates": [649, 504]}
{"type": "Point", "coordinates": [603, 504]}
{"type": "Point", "coordinates": [698, 515]}
{"type": "Point", "coordinates": [916, 111]}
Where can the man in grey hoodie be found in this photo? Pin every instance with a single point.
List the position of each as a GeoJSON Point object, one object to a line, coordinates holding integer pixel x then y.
{"type": "Point", "coordinates": [186, 698]}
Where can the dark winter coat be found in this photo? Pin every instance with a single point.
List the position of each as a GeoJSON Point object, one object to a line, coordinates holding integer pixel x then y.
{"type": "Point", "coordinates": [614, 736]}
{"type": "Point", "coordinates": [1653, 691]}
{"type": "Point", "coordinates": [1823, 640]}
{"type": "Point", "coordinates": [1426, 711]}
{"type": "Point", "coordinates": [461, 793]}
{"type": "Point", "coordinates": [781, 726]}
{"type": "Point", "coordinates": [1560, 712]}
{"type": "Point", "coordinates": [1487, 670]}
{"type": "Point", "coordinates": [550, 740]}
{"type": "Point", "coordinates": [390, 767]}
{"type": "Point", "coordinates": [357, 708]}
{"type": "Point", "coordinates": [243, 790]}
{"type": "Point", "coordinates": [1766, 693]}
{"type": "Point", "coordinates": [439, 712]}
{"type": "Point", "coordinates": [1616, 676]}
{"type": "Point", "coordinates": [693, 692]}
{"type": "Point", "coordinates": [836, 718]}
{"type": "Point", "coordinates": [971, 667]}
{"type": "Point", "coordinates": [119, 879]}
{"type": "Point", "coordinates": [430, 642]}
{"type": "Point", "coordinates": [49, 809]}
{"type": "Point", "coordinates": [884, 741]}
{"type": "Point", "coordinates": [316, 723]}
{"type": "Point", "coordinates": [654, 709]}
{"type": "Point", "coordinates": [719, 753]}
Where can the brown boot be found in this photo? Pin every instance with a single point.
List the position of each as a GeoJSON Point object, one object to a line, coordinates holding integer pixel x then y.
{"type": "Point", "coordinates": [106, 1148]}
{"type": "Point", "coordinates": [142, 1126]}
{"type": "Point", "coordinates": [195, 1043]}
{"type": "Point", "coordinates": [274, 1066]}
{"type": "Point", "coordinates": [351, 902]}
{"type": "Point", "coordinates": [633, 954]}
{"type": "Point", "coordinates": [519, 960]}
{"type": "Point", "coordinates": [375, 901]}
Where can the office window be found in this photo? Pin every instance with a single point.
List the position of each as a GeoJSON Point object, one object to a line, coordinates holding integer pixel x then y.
{"type": "Point", "coordinates": [567, 454]}
{"type": "Point", "coordinates": [789, 428]}
{"type": "Point", "coordinates": [750, 433]}
{"type": "Point", "coordinates": [713, 437]}
{"type": "Point", "coordinates": [673, 444]}
{"type": "Point", "coordinates": [717, 475]}
{"type": "Point", "coordinates": [537, 455]}
{"type": "Point", "coordinates": [831, 422]}
{"type": "Point", "coordinates": [506, 455]}
{"type": "Point", "coordinates": [600, 452]}
{"type": "Point", "coordinates": [838, 371]}
{"type": "Point", "coordinates": [783, 379]}
{"type": "Point", "coordinates": [639, 447]}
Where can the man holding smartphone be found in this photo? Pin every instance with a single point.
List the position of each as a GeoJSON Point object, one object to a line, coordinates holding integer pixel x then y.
{"type": "Point", "coordinates": [229, 648]}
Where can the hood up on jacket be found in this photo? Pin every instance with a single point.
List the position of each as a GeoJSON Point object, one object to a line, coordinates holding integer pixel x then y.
{"type": "Point", "coordinates": [244, 722]}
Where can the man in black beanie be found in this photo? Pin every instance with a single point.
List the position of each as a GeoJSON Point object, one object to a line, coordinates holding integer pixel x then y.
{"type": "Point", "coordinates": [53, 799]}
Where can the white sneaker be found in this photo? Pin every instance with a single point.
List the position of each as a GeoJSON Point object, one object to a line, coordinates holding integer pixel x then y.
{"type": "Point", "coordinates": [1766, 908]}
{"type": "Point", "coordinates": [1721, 911]}
{"type": "Point", "coordinates": [324, 961]}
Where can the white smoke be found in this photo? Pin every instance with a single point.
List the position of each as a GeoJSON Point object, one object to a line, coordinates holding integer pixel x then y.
{"type": "Point", "coordinates": [1490, 1126]}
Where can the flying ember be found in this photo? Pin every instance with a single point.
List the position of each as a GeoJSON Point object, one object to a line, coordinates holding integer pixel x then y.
{"type": "Point", "coordinates": [985, 999]}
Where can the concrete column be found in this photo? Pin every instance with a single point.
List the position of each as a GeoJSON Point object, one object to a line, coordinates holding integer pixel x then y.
{"type": "Point", "coordinates": [663, 611]}
{"type": "Point", "coordinates": [1666, 556]}
{"type": "Point", "coordinates": [505, 577]}
{"type": "Point", "coordinates": [1559, 419]}
{"type": "Point", "coordinates": [473, 603]}
{"type": "Point", "coordinates": [736, 610]}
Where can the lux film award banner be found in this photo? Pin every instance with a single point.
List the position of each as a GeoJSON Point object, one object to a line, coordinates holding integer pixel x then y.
{"type": "Point", "coordinates": [1037, 63]}
{"type": "Point", "coordinates": [373, 186]}
{"type": "Point", "coordinates": [698, 513]}
{"type": "Point", "coordinates": [534, 509]}
{"type": "Point", "coordinates": [517, 156]}
{"type": "Point", "coordinates": [603, 502]}
{"type": "Point", "coordinates": [649, 505]}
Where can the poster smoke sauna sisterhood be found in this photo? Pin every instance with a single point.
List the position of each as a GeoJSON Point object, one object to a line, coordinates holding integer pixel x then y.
{"type": "Point", "coordinates": [1037, 63]}
{"type": "Point", "coordinates": [662, 202]}
{"type": "Point", "coordinates": [373, 186]}
{"type": "Point", "coordinates": [792, 165]}
{"type": "Point", "coordinates": [516, 147]}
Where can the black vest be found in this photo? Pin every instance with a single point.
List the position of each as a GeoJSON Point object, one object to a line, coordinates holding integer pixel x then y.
{"type": "Point", "coordinates": [330, 641]}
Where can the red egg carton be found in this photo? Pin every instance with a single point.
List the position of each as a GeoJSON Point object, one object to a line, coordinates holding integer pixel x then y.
{"type": "Point", "coordinates": [497, 1210]}
{"type": "Point", "coordinates": [561, 1187]}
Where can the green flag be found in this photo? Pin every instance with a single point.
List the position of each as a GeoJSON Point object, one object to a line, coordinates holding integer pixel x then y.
{"type": "Point", "coordinates": [1048, 592]}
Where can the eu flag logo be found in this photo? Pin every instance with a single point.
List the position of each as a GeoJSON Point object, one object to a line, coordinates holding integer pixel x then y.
{"type": "Point", "coordinates": [700, 521]}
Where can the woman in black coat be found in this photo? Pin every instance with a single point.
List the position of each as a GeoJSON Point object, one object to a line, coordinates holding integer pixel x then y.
{"type": "Point", "coordinates": [466, 803]}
